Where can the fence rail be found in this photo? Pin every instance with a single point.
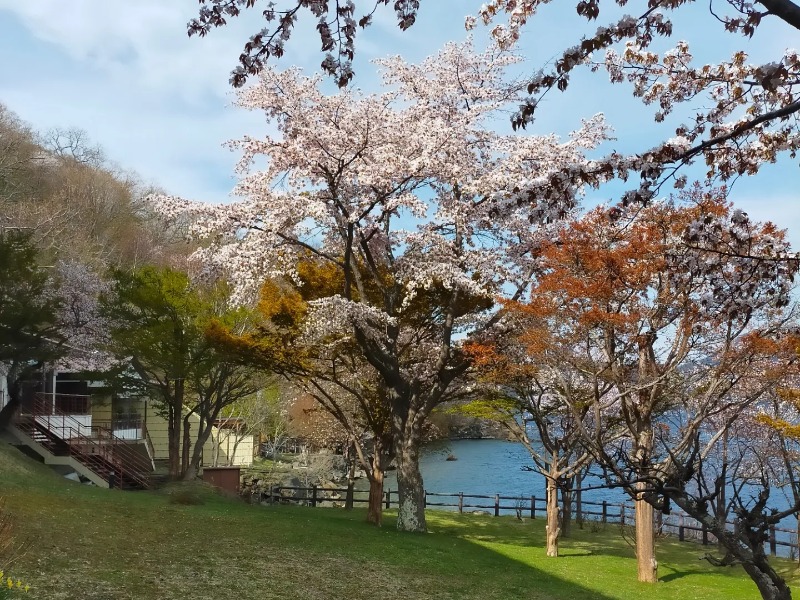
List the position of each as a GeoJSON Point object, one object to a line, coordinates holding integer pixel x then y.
{"type": "Point", "coordinates": [677, 524]}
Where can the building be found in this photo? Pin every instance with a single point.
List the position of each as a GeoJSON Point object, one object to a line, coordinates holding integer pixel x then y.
{"type": "Point", "coordinates": [111, 440]}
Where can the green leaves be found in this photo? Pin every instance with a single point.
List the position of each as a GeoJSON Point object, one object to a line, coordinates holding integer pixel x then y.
{"type": "Point", "coordinates": [28, 304]}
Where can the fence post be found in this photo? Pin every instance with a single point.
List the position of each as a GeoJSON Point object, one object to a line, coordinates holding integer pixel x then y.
{"type": "Point", "coordinates": [460, 502]}
{"type": "Point", "coordinates": [681, 532]}
{"type": "Point", "coordinates": [388, 498]}
{"type": "Point", "coordinates": [773, 541]}
{"type": "Point", "coordinates": [314, 495]}
{"type": "Point", "coordinates": [533, 507]}
{"type": "Point", "coordinates": [424, 498]}
{"type": "Point", "coordinates": [497, 505]}
{"type": "Point", "coordinates": [604, 517]}
{"type": "Point", "coordinates": [705, 534]}
{"type": "Point", "coordinates": [622, 513]}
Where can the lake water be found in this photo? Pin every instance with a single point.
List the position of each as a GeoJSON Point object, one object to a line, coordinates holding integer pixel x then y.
{"type": "Point", "coordinates": [488, 467]}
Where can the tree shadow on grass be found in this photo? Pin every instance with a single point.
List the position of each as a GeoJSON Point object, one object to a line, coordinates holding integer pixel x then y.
{"type": "Point", "coordinates": [593, 548]}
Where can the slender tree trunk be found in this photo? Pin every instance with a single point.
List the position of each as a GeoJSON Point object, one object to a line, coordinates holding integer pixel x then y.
{"type": "Point", "coordinates": [236, 441]}
{"type": "Point", "coordinates": [187, 445]}
{"type": "Point", "coordinates": [351, 477]}
{"type": "Point", "coordinates": [553, 527]}
{"type": "Point", "coordinates": [174, 443]}
{"type": "Point", "coordinates": [217, 442]}
{"type": "Point", "coordinates": [566, 508]}
{"type": "Point", "coordinates": [721, 499]}
{"type": "Point", "coordinates": [579, 499]}
{"type": "Point", "coordinates": [203, 433]}
{"type": "Point", "coordinates": [174, 412]}
{"type": "Point", "coordinates": [798, 539]}
{"type": "Point", "coordinates": [744, 543]}
{"type": "Point", "coordinates": [375, 508]}
{"type": "Point", "coordinates": [410, 489]}
{"type": "Point", "coordinates": [645, 540]}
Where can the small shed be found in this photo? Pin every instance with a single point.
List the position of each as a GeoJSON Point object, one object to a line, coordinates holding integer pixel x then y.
{"type": "Point", "coordinates": [224, 478]}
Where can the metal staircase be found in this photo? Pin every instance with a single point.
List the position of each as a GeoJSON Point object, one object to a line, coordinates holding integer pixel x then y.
{"type": "Point", "coordinates": [60, 438]}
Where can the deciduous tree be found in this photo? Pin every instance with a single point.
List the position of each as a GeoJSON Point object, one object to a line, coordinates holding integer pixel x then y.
{"type": "Point", "coordinates": [532, 386]}
{"type": "Point", "coordinates": [409, 191]}
{"type": "Point", "coordinates": [164, 332]}
{"type": "Point", "coordinates": [30, 332]}
{"type": "Point", "coordinates": [749, 114]}
{"type": "Point", "coordinates": [678, 337]}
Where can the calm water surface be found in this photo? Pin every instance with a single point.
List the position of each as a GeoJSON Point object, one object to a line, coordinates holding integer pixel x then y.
{"type": "Point", "coordinates": [487, 467]}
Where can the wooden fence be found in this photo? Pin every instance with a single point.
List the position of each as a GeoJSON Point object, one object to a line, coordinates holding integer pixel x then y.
{"type": "Point", "coordinates": [676, 524]}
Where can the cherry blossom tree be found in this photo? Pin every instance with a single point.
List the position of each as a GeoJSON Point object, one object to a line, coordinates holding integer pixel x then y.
{"type": "Point", "coordinates": [336, 25]}
{"type": "Point", "coordinates": [748, 113]}
{"type": "Point", "coordinates": [678, 338]}
{"type": "Point", "coordinates": [408, 191]}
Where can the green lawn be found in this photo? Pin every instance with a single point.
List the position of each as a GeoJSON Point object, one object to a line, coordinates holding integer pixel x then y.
{"type": "Point", "coordinates": [85, 542]}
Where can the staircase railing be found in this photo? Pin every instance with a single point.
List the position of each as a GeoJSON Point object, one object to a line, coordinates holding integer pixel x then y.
{"type": "Point", "coordinates": [148, 444]}
{"type": "Point", "coordinates": [109, 448]}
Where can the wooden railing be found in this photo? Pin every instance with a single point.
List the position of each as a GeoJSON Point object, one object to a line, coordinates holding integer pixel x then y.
{"type": "Point", "coordinates": [677, 524]}
{"type": "Point", "coordinates": [102, 445]}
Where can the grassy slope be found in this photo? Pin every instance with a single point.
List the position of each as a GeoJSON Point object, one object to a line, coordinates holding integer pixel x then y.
{"type": "Point", "coordinates": [99, 544]}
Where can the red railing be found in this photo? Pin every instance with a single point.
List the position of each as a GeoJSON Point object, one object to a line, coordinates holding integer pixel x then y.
{"type": "Point", "coordinates": [128, 423]}
{"type": "Point", "coordinates": [102, 446]}
{"type": "Point", "coordinates": [151, 451]}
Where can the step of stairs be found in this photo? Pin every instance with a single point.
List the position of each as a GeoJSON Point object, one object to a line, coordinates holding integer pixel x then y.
{"type": "Point", "coordinates": [116, 474]}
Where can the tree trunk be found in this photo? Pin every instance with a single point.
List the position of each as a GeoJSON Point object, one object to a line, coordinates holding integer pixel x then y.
{"type": "Point", "coordinates": [771, 585]}
{"type": "Point", "coordinates": [203, 433]}
{"type": "Point", "coordinates": [645, 540]}
{"type": "Point", "coordinates": [174, 410]}
{"type": "Point", "coordinates": [351, 477]}
{"type": "Point", "coordinates": [722, 506]}
{"type": "Point", "coordinates": [174, 443]}
{"type": "Point", "coordinates": [187, 446]}
{"type": "Point", "coordinates": [375, 508]}
{"type": "Point", "coordinates": [553, 527]}
{"type": "Point", "coordinates": [566, 508]}
{"type": "Point", "coordinates": [216, 442]}
{"type": "Point", "coordinates": [411, 504]}
{"type": "Point", "coordinates": [744, 543]}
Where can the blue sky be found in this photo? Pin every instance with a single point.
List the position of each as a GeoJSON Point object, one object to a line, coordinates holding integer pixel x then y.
{"type": "Point", "coordinates": [159, 102]}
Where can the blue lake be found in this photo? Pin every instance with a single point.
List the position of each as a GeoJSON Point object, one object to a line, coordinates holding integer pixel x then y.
{"type": "Point", "coordinates": [488, 467]}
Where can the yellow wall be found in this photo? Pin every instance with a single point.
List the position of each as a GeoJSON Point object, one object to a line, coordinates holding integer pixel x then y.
{"type": "Point", "coordinates": [101, 409]}
{"type": "Point", "coordinates": [241, 455]}
{"type": "Point", "coordinates": [157, 428]}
